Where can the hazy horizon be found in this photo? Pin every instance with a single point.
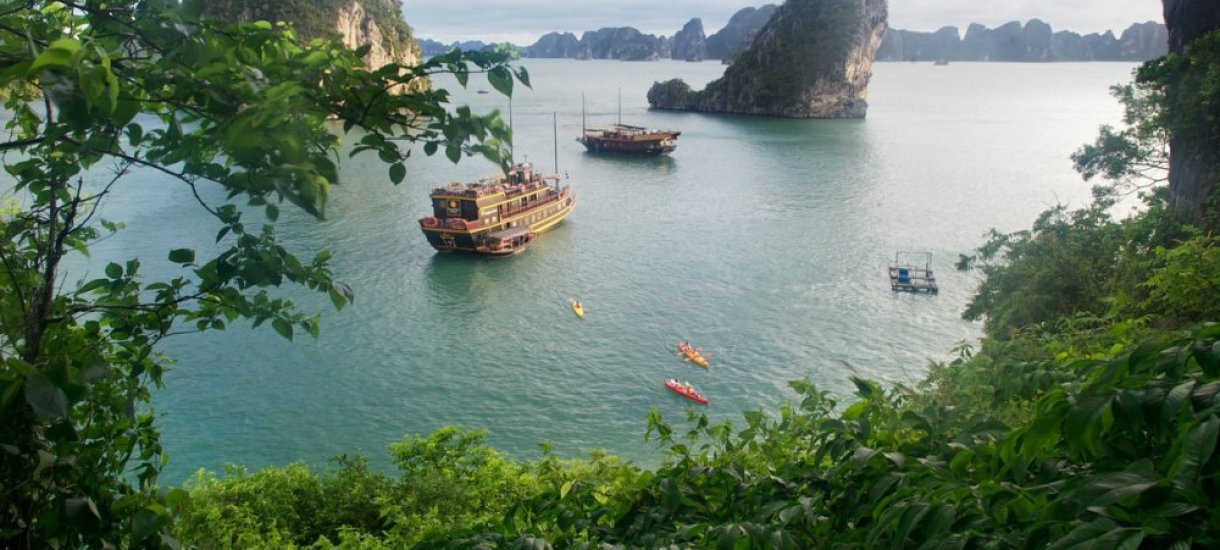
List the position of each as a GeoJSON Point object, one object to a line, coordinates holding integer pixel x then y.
{"type": "Point", "coordinates": [522, 22]}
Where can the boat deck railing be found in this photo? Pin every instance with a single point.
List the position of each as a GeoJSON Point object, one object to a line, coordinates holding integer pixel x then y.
{"type": "Point", "coordinates": [534, 206]}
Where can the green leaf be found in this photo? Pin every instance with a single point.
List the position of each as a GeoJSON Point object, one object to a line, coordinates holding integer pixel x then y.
{"type": "Point", "coordinates": [182, 255]}
{"type": "Point", "coordinates": [57, 56]}
{"type": "Point", "coordinates": [866, 388]}
{"type": "Point", "coordinates": [1197, 450]}
{"type": "Point", "coordinates": [341, 294]}
{"type": "Point", "coordinates": [273, 212]}
{"type": "Point", "coordinates": [563, 491]}
{"type": "Point", "coordinates": [454, 153]}
{"type": "Point", "coordinates": [397, 172]}
{"type": "Point", "coordinates": [114, 271]}
{"type": "Point", "coordinates": [145, 524]}
{"type": "Point", "coordinates": [501, 79]}
{"type": "Point", "coordinates": [48, 400]}
{"type": "Point", "coordinates": [1083, 535]}
{"type": "Point", "coordinates": [284, 328]}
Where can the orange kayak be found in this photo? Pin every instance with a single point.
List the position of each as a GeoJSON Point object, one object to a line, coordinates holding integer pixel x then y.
{"type": "Point", "coordinates": [693, 355]}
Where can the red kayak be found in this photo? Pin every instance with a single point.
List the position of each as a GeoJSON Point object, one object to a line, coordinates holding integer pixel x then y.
{"type": "Point", "coordinates": [689, 394]}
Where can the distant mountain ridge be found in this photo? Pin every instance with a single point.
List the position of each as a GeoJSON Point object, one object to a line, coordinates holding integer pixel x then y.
{"type": "Point", "coordinates": [629, 44]}
{"type": "Point", "coordinates": [1035, 41]}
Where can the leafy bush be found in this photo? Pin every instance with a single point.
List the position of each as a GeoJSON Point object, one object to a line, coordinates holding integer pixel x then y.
{"type": "Point", "coordinates": [1186, 284]}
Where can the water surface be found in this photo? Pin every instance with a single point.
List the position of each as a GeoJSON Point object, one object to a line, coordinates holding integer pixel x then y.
{"type": "Point", "coordinates": [764, 241]}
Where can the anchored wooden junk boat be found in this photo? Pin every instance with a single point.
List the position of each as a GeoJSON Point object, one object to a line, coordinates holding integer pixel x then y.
{"type": "Point", "coordinates": [623, 139]}
{"type": "Point", "coordinates": [498, 215]}
{"type": "Point", "coordinates": [629, 140]}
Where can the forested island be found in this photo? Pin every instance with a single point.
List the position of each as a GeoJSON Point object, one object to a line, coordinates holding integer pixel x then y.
{"type": "Point", "coordinates": [1087, 417]}
{"type": "Point", "coordinates": [812, 59]}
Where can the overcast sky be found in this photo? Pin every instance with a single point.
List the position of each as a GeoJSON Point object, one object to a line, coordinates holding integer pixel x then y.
{"type": "Point", "coordinates": [523, 21]}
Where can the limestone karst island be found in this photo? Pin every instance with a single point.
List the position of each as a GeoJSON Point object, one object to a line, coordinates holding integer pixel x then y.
{"type": "Point", "coordinates": [812, 59]}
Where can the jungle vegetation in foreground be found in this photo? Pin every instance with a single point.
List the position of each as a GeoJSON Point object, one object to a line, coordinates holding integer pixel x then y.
{"type": "Point", "coordinates": [1089, 418]}
{"type": "Point", "coordinates": [93, 91]}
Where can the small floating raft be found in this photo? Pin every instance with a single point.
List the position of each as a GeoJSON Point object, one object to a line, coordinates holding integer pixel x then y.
{"type": "Point", "coordinates": [680, 389]}
{"type": "Point", "coordinates": [578, 309]}
{"type": "Point", "coordinates": [906, 275]}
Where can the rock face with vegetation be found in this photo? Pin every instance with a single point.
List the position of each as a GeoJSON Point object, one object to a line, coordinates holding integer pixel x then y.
{"type": "Point", "coordinates": [557, 44]}
{"type": "Point", "coordinates": [736, 36]}
{"type": "Point", "coordinates": [378, 23]}
{"type": "Point", "coordinates": [690, 42]}
{"type": "Point", "coordinates": [624, 43]}
{"type": "Point", "coordinates": [1193, 96]}
{"type": "Point", "coordinates": [813, 59]}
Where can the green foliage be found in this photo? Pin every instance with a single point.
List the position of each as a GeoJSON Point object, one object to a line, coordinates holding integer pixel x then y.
{"type": "Point", "coordinates": [1137, 155]}
{"type": "Point", "coordinates": [1188, 86]}
{"type": "Point", "coordinates": [276, 507]}
{"type": "Point", "coordinates": [1080, 262]}
{"type": "Point", "coordinates": [450, 481]}
{"type": "Point", "coordinates": [1121, 449]}
{"type": "Point", "coordinates": [92, 92]}
{"type": "Point", "coordinates": [1187, 281]}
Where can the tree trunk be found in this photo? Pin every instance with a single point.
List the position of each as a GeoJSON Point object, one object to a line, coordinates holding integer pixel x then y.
{"type": "Point", "coordinates": [1194, 160]}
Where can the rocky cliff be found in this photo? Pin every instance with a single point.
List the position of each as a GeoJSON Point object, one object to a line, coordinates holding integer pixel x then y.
{"type": "Point", "coordinates": [625, 43]}
{"type": "Point", "coordinates": [690, 44]}
{"type": "Point", "coordinates": [557, 45]}
{"type": "Point", "coordinates": [378, 23]}
{"type": "Point", "coordinates": [813, 59]}
{"type": "Point", "coordinates": [1033, 41]}
{"type": "Point", "coordinates": [1194, 153]}
{"type": "Point", "coordinates": [736, 36]}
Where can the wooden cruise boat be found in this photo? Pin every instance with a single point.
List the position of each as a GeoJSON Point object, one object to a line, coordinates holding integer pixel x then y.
{"type": "Point", "coordinates": [499, 215]}
{"type": "Point", "coordinates": [623, 139]}
{"type": "Point", "coordinates": [629, 140]}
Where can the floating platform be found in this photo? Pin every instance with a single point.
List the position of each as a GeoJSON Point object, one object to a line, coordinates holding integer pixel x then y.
{"type": "Point", "coordinates": [907, 275]}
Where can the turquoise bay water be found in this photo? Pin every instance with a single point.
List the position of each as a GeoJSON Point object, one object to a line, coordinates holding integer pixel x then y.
{"type": "Point", "coordinates": [764, 241]}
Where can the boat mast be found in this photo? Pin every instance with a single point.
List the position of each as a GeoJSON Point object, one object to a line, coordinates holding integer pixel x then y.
{"type": "Point", "coordinates": [555, 127]}
{"type": "Point", "coordinates": [512, 158]}
{"type": "Point", "coordinates": [583, 127]}
{"type": "Point", "coordinates": [620, 105]}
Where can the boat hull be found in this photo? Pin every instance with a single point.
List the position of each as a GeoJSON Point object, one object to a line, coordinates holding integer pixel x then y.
{"type": "Point", "coordinates": [693, 355]}
{"type": "Point", "coordinates": [641, 148]}
{"type": "Point", "coordinates": [678, 389]}
{"type": "Point", "coordinates": [444, 239]}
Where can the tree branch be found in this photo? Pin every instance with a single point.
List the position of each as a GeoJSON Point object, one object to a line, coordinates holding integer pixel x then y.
{"type": "Point", "coordinates": [181, 176]}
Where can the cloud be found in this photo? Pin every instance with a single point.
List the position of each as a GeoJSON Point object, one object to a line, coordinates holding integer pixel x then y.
{"type": "Point", "coordinates": [523, 21]}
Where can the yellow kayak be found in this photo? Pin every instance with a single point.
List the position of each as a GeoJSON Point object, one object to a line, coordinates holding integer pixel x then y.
{"type": "Point", "coordinates": [693, 355]}
{"type": "Point", "coordinates": [578, 309]}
